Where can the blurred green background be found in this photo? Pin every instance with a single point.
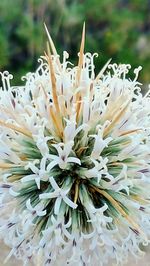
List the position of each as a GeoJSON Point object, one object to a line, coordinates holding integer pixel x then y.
{"type": "Point", "coordinates": [117, 29]}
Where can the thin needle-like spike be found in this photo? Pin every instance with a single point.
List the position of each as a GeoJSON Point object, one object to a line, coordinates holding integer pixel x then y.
{"type": "Point", "coordinates": [6, 165]}
{"type": "Point", "coordinates": [130, 132]}
{"type": "Point", "coordinates": [52, 46]}
{"type": "Point", "coordinates": [53, 81]}
{"type": "Point", "coordinates": [102, 71]}
{"type": "Point", "coordinates": [14, 178]}
{"type": "Point", "coordinates": [76, 192]}
{"type": "Point", "coordinates": [79, 105]}
{"type": "Point", "coordinates": [116, 119]}
{"type": "Point", "coordinates": [16, 128]}
{"type": "Point", "coordinates": [119, 208]}
{"type": "Point", "coordinates": [81, 55]}
{"type": "Point", "coordinates": [54, 90]}
{"type": "Point", "coordinates": [81, 149]}
{"type": "Point", "coordinates": [79, 69]}
{"type": "Point", "coordinates": [56, 121]}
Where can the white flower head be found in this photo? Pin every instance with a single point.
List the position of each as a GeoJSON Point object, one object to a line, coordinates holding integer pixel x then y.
{"type": "Point", "coordinates": [74, 162]}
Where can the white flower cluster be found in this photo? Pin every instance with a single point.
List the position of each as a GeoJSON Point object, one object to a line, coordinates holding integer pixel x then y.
{"type": "Point", "coordinates": [74, 163]}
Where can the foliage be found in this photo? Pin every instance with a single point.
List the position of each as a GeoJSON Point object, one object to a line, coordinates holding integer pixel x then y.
{"type": "Point", "coordinates": [118, 29]}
